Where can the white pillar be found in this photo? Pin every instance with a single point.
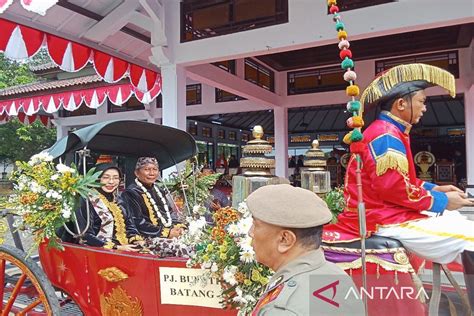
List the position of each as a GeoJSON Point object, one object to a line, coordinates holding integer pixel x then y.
{"type": "Point", "coordinates": [174, 96]}
{"type": "Point", "coordinates": [469, 124]}
{"type": "Point", "coordinates": [280, 117]}
{"type": "Point", "coordinates": [61, 131]}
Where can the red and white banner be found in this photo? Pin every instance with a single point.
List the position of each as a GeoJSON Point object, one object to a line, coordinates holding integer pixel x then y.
{"type": "Point", "coordinates": [27, 120]}
{"type": "Point", "coordinates": [36, 6]}
{"type": "Point", "coordinates": [71, 100]}
{"type": "Point", "coordinates": [20, 42]}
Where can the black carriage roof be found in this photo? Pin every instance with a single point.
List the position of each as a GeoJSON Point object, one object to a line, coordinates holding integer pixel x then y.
{"type": "Point", "coordinates": [130, 138]}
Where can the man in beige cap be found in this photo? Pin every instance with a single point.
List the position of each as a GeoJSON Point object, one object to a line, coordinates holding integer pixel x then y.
{"type": "Point", "coordinates": [286, 232]}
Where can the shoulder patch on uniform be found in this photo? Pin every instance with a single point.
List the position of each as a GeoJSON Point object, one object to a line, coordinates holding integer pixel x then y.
{"type": "Point", "coordinates": [267, 298]}
{"type": "Point", "coordinates": [388, 152]}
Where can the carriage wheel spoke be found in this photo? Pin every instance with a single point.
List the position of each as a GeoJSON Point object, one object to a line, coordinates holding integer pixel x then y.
{"type": "Point", "coordinates": [15, 292]}
{"type": "Point", "coordinates": [2, 281]}
{"type": "Point", "coordinates": [30, 307]}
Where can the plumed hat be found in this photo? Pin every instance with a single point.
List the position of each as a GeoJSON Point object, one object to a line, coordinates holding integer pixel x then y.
{"type": "Point", "coordinates": [405, 79]}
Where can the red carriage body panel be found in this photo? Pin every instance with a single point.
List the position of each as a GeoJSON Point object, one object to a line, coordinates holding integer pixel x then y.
{"type": "Point", "coordinates": [76, 271]}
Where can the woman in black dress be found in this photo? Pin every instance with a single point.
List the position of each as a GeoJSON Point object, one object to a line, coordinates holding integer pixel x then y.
{"type": "Point", "coordinates": [110, 226]}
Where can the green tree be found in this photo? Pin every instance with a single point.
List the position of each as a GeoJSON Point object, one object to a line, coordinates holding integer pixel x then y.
{"type": "Point", "coordinates": [17, 141]}
{"type": "Point", "coordinates": [14, 73]}
{"type": "Point", "coordinates": [20, 142]}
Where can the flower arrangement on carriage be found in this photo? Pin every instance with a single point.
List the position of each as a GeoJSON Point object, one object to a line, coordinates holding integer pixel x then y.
{"type": "Point", "coordinates": [225, 251]}
{"type": "Point", "coordinates": [45, 196]}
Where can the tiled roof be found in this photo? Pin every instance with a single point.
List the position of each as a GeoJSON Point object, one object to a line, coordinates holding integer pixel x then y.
{"type": "Point", "coordinates": [44, 66]}
{"type": "Point", "coordinates": [48, 85]}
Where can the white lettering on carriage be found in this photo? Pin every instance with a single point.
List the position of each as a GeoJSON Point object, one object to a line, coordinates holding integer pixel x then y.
{"type": "Point", "coordinates": [182, 286]}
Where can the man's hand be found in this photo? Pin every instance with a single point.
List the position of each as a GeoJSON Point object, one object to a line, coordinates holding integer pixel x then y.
{"type": "Point", "coordinates": [175, 232]}
{"type": "Point", "coordinates": [456, 200]}
{"type": "Point", "coordinates": [128, 248]}
{"type": "Point", "coordinates": [447, 188]}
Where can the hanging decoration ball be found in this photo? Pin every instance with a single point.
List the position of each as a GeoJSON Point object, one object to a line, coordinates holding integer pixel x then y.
{"type": "Point", "coordinates": [342, 35]}
{"type": "Point", "coordinates": [356, 135]}
{"type": "Point", "coordinates": [355, 122]}
{"type": "Point", "coordinates": [350, 75]}
{"type": "Point", "coordinates": [357, 147]}
{"type": "Point", "coordinates": [334, 9]}
{"type": "Point", "coordinates": [347, 138]}
{"type": "Point", "coordinates": [332, 2]}
{"type": "Point", "coordinates": [345, 53]}
{"type": "Point", "coordinates": [339, 26]}
{"type": "Point", "coordinates": [344, 44]}
{"type": "Point", "coordinates": [352, 90]}
{"type": "Point", "coordinates": [353, 106]}
{"type": "Point", "coordinates": [347, 63]}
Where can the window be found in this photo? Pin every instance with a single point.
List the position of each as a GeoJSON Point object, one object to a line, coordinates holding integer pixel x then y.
{"type": "Point", "coordinates": [346, 5]}
{"type": "Point", "coordinates": [222, 95]}
{"type": "Point", "coordinates": [227, 65]}
{"type": "Point", "coordinates": [232, 135]}
{"type": "Point", "coordinates": [316, 80]}
{"type": "Point", "coordinates": [221, 134]}
{"type": "Point", "coordinates": [259, 75]}
{"type": "Point", "coordinates": [244, 137]}
{"type": "Point", "coordinates": [446, 60]}
{"type": "Point", "coordinates": [131, 105]}
{"type": "Point", "coordinates": [209, 18]}
{"type": "Point", "coordinates": [193, 94]}
{"type": "Point", "coordinates": [192, 128]}
{"type": "Point", "coordinates": [82, 110]}
{"type": "Point", "coordinates": [207, 131]}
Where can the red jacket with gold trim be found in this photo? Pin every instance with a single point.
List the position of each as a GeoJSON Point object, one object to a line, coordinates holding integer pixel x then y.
{"type": "Point", "coordinates": [391, 191]}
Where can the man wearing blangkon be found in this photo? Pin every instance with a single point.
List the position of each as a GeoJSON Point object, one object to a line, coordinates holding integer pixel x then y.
{"type": "Point", "coordinates": [286, 237]}
{"type": "Point", "coordinates": [396, 200]}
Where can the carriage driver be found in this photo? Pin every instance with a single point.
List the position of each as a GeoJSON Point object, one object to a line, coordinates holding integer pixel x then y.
{"type": "Point", "coordinates": [398, 204]}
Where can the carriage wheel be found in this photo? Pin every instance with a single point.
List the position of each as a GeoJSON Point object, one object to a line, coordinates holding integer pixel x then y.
{"type": "Point", "coordinates": [26, 289]}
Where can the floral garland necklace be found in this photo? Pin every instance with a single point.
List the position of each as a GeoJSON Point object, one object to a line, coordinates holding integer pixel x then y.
{"type": "Point", "coordinates": [167, 222]}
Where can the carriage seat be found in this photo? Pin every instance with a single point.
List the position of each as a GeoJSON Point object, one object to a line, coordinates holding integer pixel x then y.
{"type": "Point", "coordinates": [373, 242]}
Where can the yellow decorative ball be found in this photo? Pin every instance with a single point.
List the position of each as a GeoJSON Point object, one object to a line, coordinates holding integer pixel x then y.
{"type": "Point", "coordinates": [357, 121]}
{"type": "Point", "coordinates": [331, 2]}
{"type": "Point", "coordinates": [347, 138]}
{"type": "Point", "coordinates": [352, 90]}
{"type": "Point", "coordinates": [342, 35]}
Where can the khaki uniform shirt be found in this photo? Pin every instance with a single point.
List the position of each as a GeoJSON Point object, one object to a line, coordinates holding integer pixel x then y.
{"type": "Point", "coordinates": [309, 285]}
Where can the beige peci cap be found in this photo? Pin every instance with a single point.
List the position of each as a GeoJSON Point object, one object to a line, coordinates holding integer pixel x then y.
{"type": "Point", "coordinates": [286, 206]}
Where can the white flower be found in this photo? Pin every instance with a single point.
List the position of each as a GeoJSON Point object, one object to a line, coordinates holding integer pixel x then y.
{"type": "Point", "coordinates": [239, 298]}
{"type": "Point", "coordinates": [196, 227]}
{"type": "Point", "coordinates": [34, 187]}
{"type": "Point", "coordinates": [38, 158]}
{"type": "Point", "coordinates": [53, 195]}
{"type": "Point", "coordinates": [229, 275]}
{"type": "Point", "coordinates": [245, 224]}
{"type": "Point", "coordinates": [247, 256]}
{"type": "Point", "coordinates": [63, 168]}
{"type": "Point", "coordinates": [206, 265]}
{"type": "Point", "coordinates": [66, 213]}
{"type": "Point", "coordinates": [246, 243]}
{"type": "Point", "coordinates": [242, 208]}
{"type": "Point", "coordinates": [214, 267]}
{"type": "Point", "coordinates": [55, 177]}
{"type": "Point", "coordinates": [233, 230]}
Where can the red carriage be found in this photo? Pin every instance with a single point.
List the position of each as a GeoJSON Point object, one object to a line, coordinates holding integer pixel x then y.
{"type": "Point", "coordinates": [101, 281]}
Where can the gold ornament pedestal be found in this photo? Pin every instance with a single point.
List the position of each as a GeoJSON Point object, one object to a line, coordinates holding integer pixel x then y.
{"type": "Point", "coordinates": [315, 177]}
{"type": "Point", "coordinates": [256, 168]}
